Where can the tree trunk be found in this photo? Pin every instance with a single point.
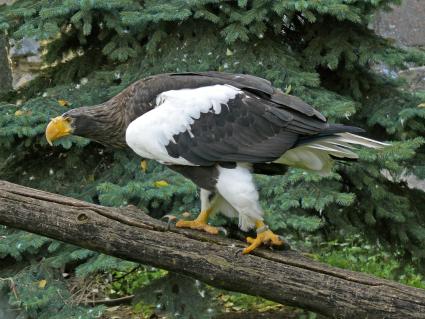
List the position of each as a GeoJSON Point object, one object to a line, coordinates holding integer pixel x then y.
{"type": "Point", "coordinates": [285, 277]}
{"type": "Point", "coordinates": [5, 73]}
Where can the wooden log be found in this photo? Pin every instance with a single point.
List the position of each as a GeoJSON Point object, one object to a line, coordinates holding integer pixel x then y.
{"type": "Point", "coordinates": [286, 277]}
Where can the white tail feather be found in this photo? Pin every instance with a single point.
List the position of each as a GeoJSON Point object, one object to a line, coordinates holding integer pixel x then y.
{"type": "Point", "coordinates": [360, 140]}
{"type": "Point", "coordinates": [316, 155]}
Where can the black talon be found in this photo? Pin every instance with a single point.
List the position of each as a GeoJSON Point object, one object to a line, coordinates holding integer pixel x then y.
{"type": "Point", "coordinates": [239, 252]}
{"type": "Point", "coordinates": [285, 245]}
{"type": "Point", "coordinates": [170, 219]}
{"type": "Point", "coordinates": [223, 231]}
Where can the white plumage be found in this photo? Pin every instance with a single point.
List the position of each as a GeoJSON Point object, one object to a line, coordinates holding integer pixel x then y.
{"type": "Point", "coordinates": [236, 196]}
{"type": "Point", "coordinates": [315, 155]}
{"type": "Point", "coordinates": [236, 186]}
{"type": "Point", "coordinates": [175, 112]}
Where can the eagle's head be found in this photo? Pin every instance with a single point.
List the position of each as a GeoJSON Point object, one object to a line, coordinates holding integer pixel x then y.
{"type": "Point", "coordinates": [104, 123]}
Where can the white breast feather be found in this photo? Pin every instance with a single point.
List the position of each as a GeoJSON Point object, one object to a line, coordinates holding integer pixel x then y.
{"type": "Point", "coordinates": [175, 112]}
{"type": "Point", "coordinates": [237, 187]}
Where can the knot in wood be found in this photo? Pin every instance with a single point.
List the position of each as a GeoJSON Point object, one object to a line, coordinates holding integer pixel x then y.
{"type": "Point", "coordinates": [82, 218]}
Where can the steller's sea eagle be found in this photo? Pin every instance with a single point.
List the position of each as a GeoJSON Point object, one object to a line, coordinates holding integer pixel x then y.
{"type": "Point", "coordinates": [216, 129]}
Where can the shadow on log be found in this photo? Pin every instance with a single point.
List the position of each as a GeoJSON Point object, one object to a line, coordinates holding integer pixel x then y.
{"type": "Point", "coordinates": [285, 277]}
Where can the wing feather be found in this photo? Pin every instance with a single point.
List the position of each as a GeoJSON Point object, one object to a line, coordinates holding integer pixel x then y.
{"type": "Point", "coordinates": [213, 117]}
{"type": "Point", "coordinates": [246, 129]}
{"type": "Point", "coordinates": [261, 88]}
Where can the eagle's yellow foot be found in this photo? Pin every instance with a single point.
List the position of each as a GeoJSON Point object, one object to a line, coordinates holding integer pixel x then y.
{"type": "Point", "coordinates": [200, 223]}
{"type": "Point", "coordinates": [264, 236]}
{"type": "Point", "coordinates": [194, 224]}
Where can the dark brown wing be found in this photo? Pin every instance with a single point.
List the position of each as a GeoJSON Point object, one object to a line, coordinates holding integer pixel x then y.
{"type": "Point", "coordinates": [262, 88]}
{"type": "Point", "coordinates": [248, 129]}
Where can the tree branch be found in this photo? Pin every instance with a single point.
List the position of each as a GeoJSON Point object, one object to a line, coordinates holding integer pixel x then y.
{"type": "Point", "coordinates": [285, 277]}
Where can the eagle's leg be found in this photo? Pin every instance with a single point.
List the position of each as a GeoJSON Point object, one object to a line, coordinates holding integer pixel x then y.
{"type": "Point", "coordinates": [264, 236]}
{"type": "Point", "coordinates": [201, 222]}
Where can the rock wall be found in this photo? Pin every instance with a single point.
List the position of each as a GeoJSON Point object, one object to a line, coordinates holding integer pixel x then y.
{"type": "Point", "coordinates": [25, 58]}
{"type": "Point", "coordinates": [405, 24]}
{"type": "Point", "coordinates": [25, 55]}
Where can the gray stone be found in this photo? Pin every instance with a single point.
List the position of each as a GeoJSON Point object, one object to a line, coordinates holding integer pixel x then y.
{"type": "Point", "coordinates": [415, 77]}
{"type": "Point", "coordinates": [24, 47]}
{"type": "Point", "coordinates": [26, 61]}
{"type": "Point", "coordinates": [405, 24]}
{"type": "Point", "coordinates": [412, 181]}
{"type": "Point", "coordinates": [25, 69]}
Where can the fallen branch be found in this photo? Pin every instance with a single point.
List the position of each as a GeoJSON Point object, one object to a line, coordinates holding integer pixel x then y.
{"type": "Point", "coordinates": [258, 315]}
{"type": "Point", "coordinates": [285, 277]}
{"type": "Point", "coordinates": [110, 302]}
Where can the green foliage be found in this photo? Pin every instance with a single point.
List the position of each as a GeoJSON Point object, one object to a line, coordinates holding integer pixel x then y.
{"type": "Point", "coordinates": [356, 254]}
{"type": "Point", "coordinates": [37, 292]}
{"type": "Point", "coordinates": [239, 302]}
{"type": "Point", "coordinates": [322, 51]}
{"type": "Point", "coordinates": [127, 283]}
{"type": "Point", "coordinates": [177, 296]}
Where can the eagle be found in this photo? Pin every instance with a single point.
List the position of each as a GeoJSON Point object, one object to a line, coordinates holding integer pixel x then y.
{"type": "Point", "coordinates": [217, 129]}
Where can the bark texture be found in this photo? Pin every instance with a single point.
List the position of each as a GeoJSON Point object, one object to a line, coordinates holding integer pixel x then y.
{"type": "Point", "coordinates": [5, 72]}
{"type": "Point", "coordinates": [286, 277]}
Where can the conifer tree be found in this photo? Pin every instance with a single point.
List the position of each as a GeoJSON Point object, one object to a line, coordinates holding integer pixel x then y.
{"type": "Point", "coordinates": [321, 51]}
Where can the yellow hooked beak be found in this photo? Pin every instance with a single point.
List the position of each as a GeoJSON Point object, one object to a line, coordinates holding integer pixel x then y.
{"type": "Point", "coordinates": [57, 128]}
